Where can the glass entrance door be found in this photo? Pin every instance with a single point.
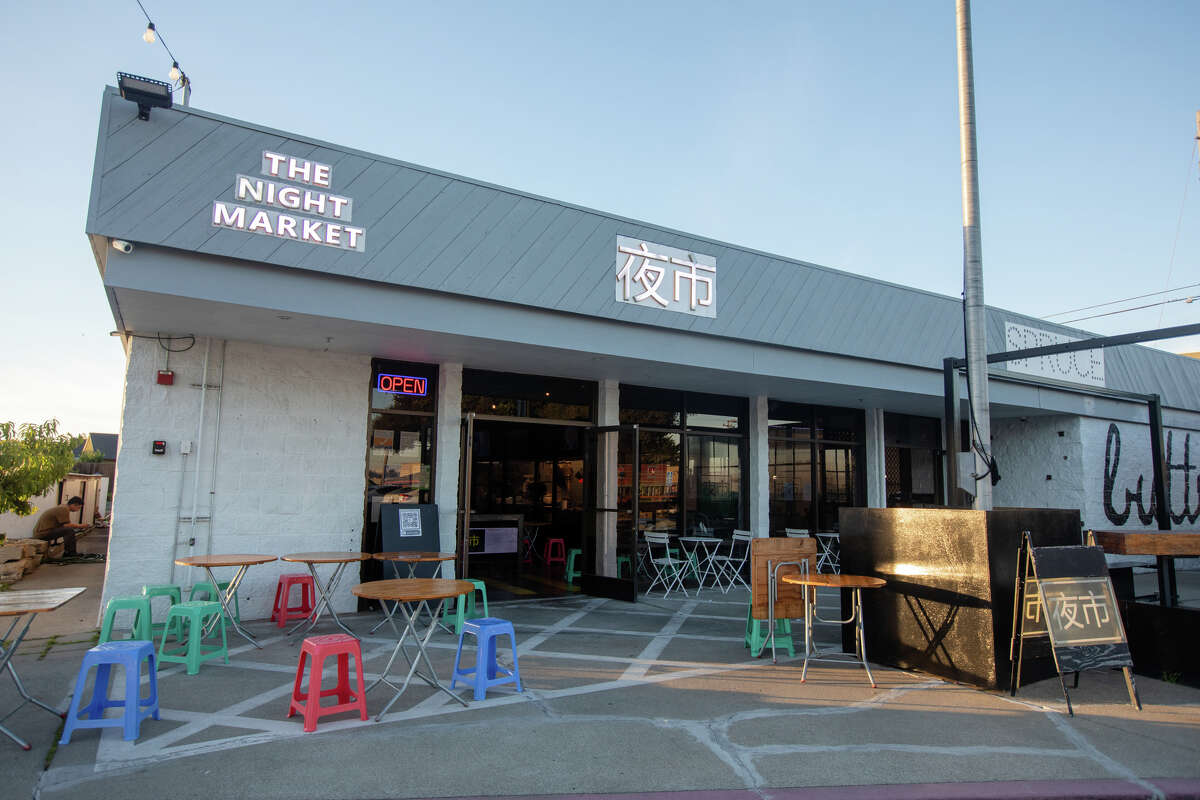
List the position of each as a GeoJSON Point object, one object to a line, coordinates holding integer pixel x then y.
{"type": "Point", "coordinates": [613, 506]}
{"type": "Point", "coordinates": [524, 531]}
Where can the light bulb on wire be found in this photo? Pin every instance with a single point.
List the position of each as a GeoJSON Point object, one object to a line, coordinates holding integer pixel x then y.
{"type": "Point", "coordinates": [148, 36]}
{"type": "Point", "coordinates": [175, 71]}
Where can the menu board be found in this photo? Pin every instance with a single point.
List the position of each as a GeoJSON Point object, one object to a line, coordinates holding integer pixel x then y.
{"type": "Point", "coordinates": [1065, 593]}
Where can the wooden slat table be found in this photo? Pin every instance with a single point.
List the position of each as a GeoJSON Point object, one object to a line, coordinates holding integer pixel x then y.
{"type": "Point", "coordinates": [401, 592]}
{"type": "Point", "coordinates": [1164, 545]}
{"type": "Point", "coordinates": [242, 561]}
{"type": "Point", "coordinates": [24, 606]}
{"type": "Point", "coordinates": [324, 590]}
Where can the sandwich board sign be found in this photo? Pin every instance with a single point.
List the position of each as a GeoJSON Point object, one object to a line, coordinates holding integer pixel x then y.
{"type": "Point", "coordinates": [1065, 593]}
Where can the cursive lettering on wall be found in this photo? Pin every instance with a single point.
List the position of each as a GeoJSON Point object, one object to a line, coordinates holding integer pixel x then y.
{"type": "Point", "coordinates": [1146, 512]}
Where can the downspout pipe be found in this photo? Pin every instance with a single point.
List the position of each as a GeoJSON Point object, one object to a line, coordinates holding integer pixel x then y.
{"type": "Point", "coordinates": [212, 482]}
{"type": "Point", "coordinates": [199, 440]}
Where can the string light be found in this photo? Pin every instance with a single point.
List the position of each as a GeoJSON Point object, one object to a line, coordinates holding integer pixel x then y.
{"type": "Point", "coordinates": [177, 75]}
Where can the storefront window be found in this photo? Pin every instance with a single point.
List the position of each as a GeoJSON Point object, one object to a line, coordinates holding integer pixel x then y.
{"type": "Point", "coordinates": [691, 476]}
{"type": "Point", "coordinates": [400, 437]}
{"type": "Point", "coordinates": [912, 460]}
{"type": "Point", "coordinates": [508, 394]}
{"type": "Point", "coordinates": [816, 464]}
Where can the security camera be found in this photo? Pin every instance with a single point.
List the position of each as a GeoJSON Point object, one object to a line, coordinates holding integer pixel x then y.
{"type": "Point", "coordinates": [122, 245]}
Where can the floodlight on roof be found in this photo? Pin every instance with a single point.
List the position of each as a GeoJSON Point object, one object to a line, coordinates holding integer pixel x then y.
{"type": "Point", "coordinates": [146, 92]}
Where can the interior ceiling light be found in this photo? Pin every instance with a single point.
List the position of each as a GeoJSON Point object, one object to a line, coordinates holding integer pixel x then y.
{"type": "Point", "coordinates": [148, 37]}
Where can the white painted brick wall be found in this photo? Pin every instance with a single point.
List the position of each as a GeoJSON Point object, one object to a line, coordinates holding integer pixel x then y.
{"type": "Point", "coordinates": [1122, 449]}
{"type": "Point", "coordinates": [290, 471]}
{"type": "Point", "coordinates": [1078, 462]}
{"type": "Point", "coordinates": [1041, 463]}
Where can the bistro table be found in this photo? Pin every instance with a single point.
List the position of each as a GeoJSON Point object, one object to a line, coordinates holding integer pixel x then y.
{"type": "Point", "coordinates": [242, 561]}
{"type": "Point", "coordinates": [412, 559]}
{"type": "Point", "coordinates": [24, 606]}
{"type": "Point", "coordinates": [401, 592]}
{"type": "Point", "coordinates": [1164, 545]}
{"type": "Point", "coordinates": [703, 548]}
{"type": "Point", "coordinates": [856, 583]}
{"type": "Point", "coordinates": [532, 529]}
{"type": "Point", "coordinates": [311, 560]}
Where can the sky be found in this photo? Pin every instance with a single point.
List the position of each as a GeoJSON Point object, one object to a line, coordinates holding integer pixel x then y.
{"type": "Point", "coordinates": [822, 131]}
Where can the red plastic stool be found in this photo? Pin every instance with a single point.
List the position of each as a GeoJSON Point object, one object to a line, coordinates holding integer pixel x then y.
{"type": "Point", "coordinates": [318, 648]}
{"type": "Point", "coordinates": [556, 551]}
{"type": "Point", "coordinates": [282, 612]}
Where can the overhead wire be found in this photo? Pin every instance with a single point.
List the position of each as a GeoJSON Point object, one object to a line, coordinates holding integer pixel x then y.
{"type": "Point", "coordinates": [1135, 308]}
{"type": "Point", "coordinates": [1179, 223]}
{"type": "Point", "coordinates": [1123, 300]}
{"type": "Point", "coordinates": [183, 79]}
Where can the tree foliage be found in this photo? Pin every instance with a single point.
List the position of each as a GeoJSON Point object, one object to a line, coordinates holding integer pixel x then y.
{"type": "Point", "coordinates": [32, 459]}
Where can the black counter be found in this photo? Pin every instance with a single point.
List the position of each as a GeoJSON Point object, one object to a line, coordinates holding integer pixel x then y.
{"type": "Point", "coordinates": [948, 606]}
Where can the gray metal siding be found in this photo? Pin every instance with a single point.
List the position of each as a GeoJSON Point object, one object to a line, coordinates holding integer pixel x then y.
{"type": "Point", "coordinates": [155, 182]}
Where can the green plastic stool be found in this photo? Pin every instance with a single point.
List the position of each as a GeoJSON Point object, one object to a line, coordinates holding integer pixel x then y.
{"type": "Point", "coordinates": [140, 629]}
{"type": "Point", "coordinates": [207, 592]}
{"type": "Point", "coordinates": [757, 635]}
{"type": "Point", "coordinates": [193, 615]}
{"type": "Point", "coordinates": [626, 562]}
{"type": "Point", "coordinates": [163, 590]}
{"type": "Point", "coordinates": [464, 605]}
{"type": "Point", "coordinates": [571, 572]}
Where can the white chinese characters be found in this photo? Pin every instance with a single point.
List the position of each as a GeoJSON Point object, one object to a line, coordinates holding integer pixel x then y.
{"type": "Point", "coordinates": [657, 276]}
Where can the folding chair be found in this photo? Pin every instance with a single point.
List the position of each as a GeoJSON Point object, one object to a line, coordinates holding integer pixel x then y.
{"type": "Point", "coordinates": [828, 553]}
{"type": "Point", "coordinates": [666, 569]}
{"type": "Point", "coordinates": [731, 564]}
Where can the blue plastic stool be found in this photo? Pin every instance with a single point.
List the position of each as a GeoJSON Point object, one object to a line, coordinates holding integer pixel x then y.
{"type": "Point", "coordinates": [486, 672]}
{"type": "Point", "coordinates": [130, 655]}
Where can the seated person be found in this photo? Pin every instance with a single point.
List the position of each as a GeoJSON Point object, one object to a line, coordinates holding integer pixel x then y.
{"type": "Point", "coordinates": [55, 523]}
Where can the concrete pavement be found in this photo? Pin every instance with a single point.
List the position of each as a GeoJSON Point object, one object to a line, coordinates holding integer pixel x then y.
{"type": "Point", "coordinates": [650, 699]}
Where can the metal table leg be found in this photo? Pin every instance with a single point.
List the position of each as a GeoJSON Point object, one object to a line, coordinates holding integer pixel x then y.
{"type": "Point", "coordinates": [6, 654]}
{"type": "Point", "coordinates": [431, 678]}
{"type": "Point", "coordinates": [226, 598]}
{"type": "Point", "coordinates": [856, 616]}
{"type": "Point", "coordinates": [324, 603]}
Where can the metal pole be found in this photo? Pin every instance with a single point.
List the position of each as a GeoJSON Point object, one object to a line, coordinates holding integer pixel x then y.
{"type": "Point", "coordinates": [951, 424]}
{"type": "Point", "coordinates": [974, 311]}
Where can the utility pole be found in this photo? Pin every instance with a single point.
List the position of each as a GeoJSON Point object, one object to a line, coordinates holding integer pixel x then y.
{"type": "Point", "coordinates": [974, 310]}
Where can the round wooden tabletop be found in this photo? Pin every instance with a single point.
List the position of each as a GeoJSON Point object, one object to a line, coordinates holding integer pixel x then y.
{"type": "Point", "coordinates": [231, 560]}
{"type": "Point", "coordinates": [415, 556]}
{"type": "Point", "coordinates": [836, 581]}
{"type": "Point", "coordinates": [411, 590]}
{"type": "Point", "coordinates": [325, 557]}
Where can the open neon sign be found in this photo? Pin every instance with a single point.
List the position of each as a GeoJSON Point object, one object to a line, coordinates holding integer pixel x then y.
{"type": "Point", "coordinates": [402, 384]}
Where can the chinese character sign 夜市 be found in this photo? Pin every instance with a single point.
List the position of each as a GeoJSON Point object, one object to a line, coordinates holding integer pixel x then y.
{"type": "Point", "coordinates": [666, 278]}
{"type": "Point", "coordinates": [1079, 611]}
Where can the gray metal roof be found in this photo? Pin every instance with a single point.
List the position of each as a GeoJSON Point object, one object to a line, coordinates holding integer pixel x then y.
{"type": "Point", "coordinates": [155, 183]}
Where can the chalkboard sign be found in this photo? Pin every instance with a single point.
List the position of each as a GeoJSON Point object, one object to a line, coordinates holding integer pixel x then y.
{"type": "Point", "coordinates": [1065, 593]}
{"type": "Point", "coordinates": [409, 528]}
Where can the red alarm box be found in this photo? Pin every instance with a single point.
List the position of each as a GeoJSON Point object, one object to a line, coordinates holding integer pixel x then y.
{"type": "Point", "coordinates": [166, 377]}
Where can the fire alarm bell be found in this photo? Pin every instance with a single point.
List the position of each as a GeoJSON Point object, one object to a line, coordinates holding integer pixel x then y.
{"type": "Point", "coordinates": [166, 377]}
{"type": "Point", "coordinates": [158, 447]}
